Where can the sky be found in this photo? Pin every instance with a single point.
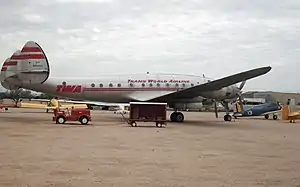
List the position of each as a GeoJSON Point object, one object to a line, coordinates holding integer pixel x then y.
{"type": "Point", "coordinates": [215, 38]}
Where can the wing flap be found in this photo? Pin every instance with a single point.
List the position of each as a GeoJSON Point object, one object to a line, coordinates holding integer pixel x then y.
{"type": "Point", "coordinates": [215, 85]}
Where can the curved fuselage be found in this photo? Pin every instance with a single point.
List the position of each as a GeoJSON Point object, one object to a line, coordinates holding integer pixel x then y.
{"type": "Point", "coordinates": [126, 88]}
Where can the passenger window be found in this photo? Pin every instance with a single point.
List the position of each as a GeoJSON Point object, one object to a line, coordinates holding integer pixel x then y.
{"type": "Point", "coordinates": [110, 85]}
{"type": "Point", "coordinates": [119, 85]}
{"type": "Point", "coordinates": [93, 85]}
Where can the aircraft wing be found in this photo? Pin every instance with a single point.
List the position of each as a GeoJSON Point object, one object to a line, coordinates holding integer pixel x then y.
{"type": "Point", "coordinates": [294, 114]}
{"type": "Point", "coordinates": [81, 102]}
{"type": "Point", "coordinates": [44, 106]}
{"type": "Point", "coordinates": [89, 102]}
{"type": "Point", "coordinates": [214, 85]}
{"type": "Point", "coordinates": [7, 106]}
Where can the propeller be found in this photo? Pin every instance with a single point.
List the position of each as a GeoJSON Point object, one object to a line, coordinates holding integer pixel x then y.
{"type": "Point", "coordinates": [240, 98]}
{"type": "Point", "coordinates": [239, 95]}
{"type": "Point", "coordinates": [242, 85]}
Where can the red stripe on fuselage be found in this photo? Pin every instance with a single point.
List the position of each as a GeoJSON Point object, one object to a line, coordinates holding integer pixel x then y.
{"type": "Point", "coordinates": [29, 57]}
{"type": "Point", "coordinates": [31, 49]}
{"type": "Point", "coordinates": [129, 89]}
{"type": "Point", "coordinates": [10, 63]}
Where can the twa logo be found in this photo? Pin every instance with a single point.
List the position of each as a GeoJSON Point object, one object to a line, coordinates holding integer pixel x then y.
{"type": "Point", "coordinates": [68, 88]}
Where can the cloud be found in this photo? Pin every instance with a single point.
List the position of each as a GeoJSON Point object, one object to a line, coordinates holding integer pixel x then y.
{"type": "Point", "coordinates": [190, 37]}
{"type": "Point", "coordinates": [83, 1]}
{"type": "Point", "coordinates": [33, 18]}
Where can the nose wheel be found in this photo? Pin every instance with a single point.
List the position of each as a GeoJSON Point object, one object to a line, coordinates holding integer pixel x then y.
{"type": "Point", "coordinates": [227, 117]}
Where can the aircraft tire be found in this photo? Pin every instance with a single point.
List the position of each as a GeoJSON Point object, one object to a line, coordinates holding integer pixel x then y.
{"type": "Point", "coordinates": [173, 117]}
{"type": "Point", "coordinates": [179, 117]}
{"type": "Point", "coordinates": [275, 117]}
{"type": "Point", "coordinates": [227, 117]}
{"type": "Point", "coordinates": [267, 116]}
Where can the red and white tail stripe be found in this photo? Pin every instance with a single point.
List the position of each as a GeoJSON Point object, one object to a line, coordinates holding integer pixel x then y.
{"type": "Point", "coordinates": [28, 65]}
{"type": "Point", "coordinates": [4, 66]}
{"type": "Point", "coordinates": [31, 51]}
{"type": "Point", "coordinates": [11, 63]}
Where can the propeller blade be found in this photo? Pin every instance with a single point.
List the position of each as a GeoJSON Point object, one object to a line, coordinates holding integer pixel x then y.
{"type": "Point", "coordinates": [242, 85]}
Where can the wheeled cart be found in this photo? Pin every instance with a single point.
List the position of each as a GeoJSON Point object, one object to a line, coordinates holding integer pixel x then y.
{"type": "Point", "coordinates": [147, 112]}
{"type": "Point", "coordinates": [80, 114]}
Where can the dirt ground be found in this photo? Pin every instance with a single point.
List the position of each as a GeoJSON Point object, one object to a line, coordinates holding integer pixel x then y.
{"type": "Point", "coordinates": [203, 151]}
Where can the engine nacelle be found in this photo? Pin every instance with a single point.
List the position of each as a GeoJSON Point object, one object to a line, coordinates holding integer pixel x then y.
{"type": "Point", "coordinates": [229, 92]}
{"type": "Point", "coordinates": [207, 102]}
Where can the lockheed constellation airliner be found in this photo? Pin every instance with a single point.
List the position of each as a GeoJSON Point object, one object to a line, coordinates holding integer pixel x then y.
{"type": "Point", "coordinates": [29, 68]}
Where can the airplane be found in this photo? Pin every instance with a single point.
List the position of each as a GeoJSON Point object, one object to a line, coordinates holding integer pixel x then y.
{"type": "Point", "coordinates": [120, 107]}
{"type": "Point", "coordinates": [289, 114]}
{"type": "Point", "coordinates": [50, 105]}
{"type": "Point", "coordinates": [265, 109]}
{"type": "Point", "coordinates": [29, 68]}
{"type": "Point", "coordinates": [6, 106]}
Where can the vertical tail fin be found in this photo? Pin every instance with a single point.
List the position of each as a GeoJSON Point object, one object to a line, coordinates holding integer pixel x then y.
{"type": "Point", "coordinates": [28, 66]}
{"type": "Point", "coordinates": [33, 67]}
{"type": "Point", "coordinates": [9, 71]}
{"type": "Point", "coordinates": [9, 66]}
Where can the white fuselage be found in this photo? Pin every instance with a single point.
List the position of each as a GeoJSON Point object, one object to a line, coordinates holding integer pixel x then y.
{"type": "Point", "coordinates": [126, 88]}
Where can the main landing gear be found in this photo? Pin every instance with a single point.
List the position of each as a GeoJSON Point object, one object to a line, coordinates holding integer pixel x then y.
{"type": "Point", "coordinates": [177, 117]}
{"type": "Point", "coordinates": [275, 117]}
{"type": "Point", "coordinates": [227, 116]}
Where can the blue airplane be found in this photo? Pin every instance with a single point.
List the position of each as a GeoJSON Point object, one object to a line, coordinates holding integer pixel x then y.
{"type": "Point", "coordinates": [258, 110]}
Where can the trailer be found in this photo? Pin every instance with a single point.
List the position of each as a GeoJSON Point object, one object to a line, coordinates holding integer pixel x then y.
{"type": "Point", "coordinates": [147, 112]}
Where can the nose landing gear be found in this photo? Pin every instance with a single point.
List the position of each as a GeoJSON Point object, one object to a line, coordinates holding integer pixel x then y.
{"type": "Point", "coordinates": [227, 117]}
